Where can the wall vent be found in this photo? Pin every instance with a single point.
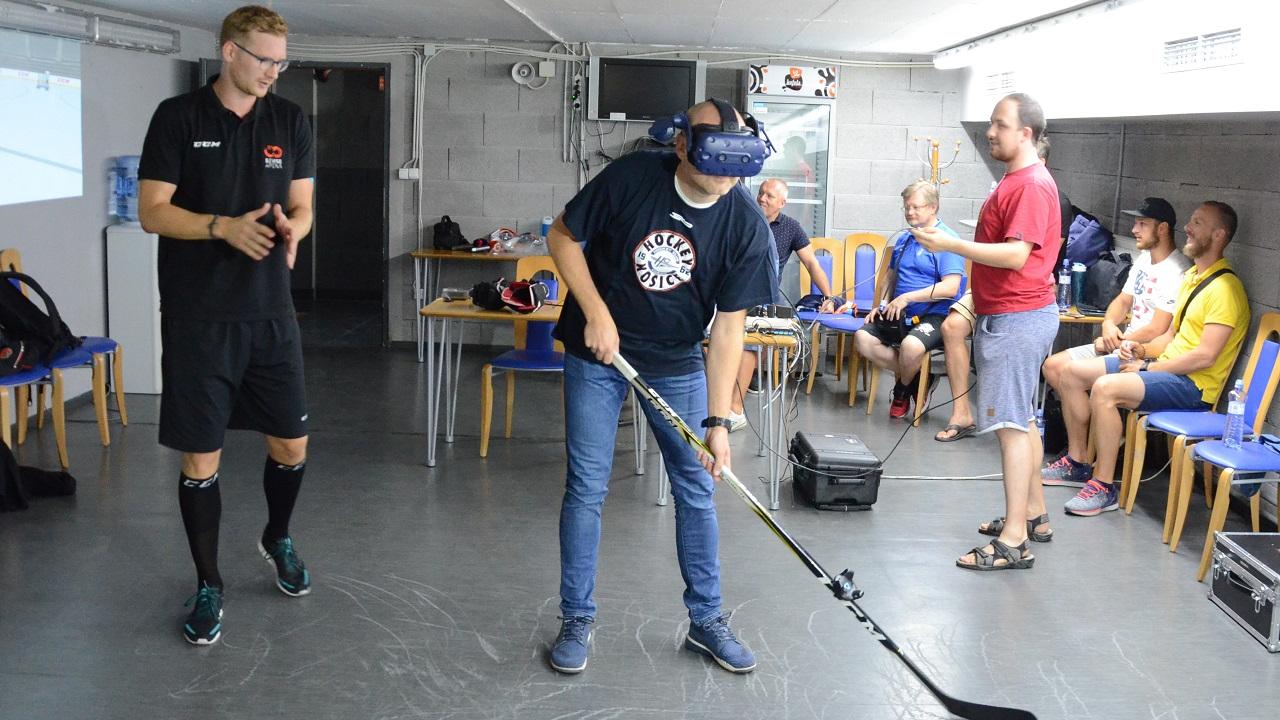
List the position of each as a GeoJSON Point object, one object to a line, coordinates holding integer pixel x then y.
{"type": "Point", "coordinates": [1203, 51]}
{"type": "Point", "coordinates": [1000, 84]}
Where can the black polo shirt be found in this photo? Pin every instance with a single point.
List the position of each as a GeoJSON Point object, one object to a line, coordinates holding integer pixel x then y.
{"type": "Point", "coordinates": [226, 165]}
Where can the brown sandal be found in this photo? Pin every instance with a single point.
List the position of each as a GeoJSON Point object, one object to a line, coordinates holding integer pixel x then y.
{"type": "Point", "coordinates": [1015, 557]}
{"type": "Point", "coordinates": [995, 527]}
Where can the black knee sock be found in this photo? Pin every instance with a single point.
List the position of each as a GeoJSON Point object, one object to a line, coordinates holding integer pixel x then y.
{"type": "Point", "coordinates": [280, 483]}
{"type": "Point", "coordinates": [201, 504]}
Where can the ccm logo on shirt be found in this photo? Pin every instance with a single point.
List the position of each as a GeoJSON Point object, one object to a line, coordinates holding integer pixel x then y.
{"type": "Point", "coordinates": [274, 155]}
{"type": "Point", "coordinates": [664, 261]}
{"type": "Point", "coordinates": [206, 144]}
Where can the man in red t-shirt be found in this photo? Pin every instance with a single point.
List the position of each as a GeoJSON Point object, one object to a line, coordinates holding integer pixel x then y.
{"type": "Point", "coordinates": [1013, 253]}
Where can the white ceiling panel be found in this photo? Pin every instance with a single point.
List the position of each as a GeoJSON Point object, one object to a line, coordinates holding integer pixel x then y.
{"type": "Point", "coordinates": [846, 26]}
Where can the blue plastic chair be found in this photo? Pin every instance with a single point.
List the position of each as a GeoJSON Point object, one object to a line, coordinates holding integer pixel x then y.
{"type": "Point", "coordinates": [21, 383]}
{"type": "Point", "coordinates": [830, 255]}
{"type": "Point", "coordinates": [862, 253]}
{"type": "Point", "coordinates": [1253, 458]}
{"type": "Point", "coordinates": [535, 351]}
{"type": "Point", "coordinates": [1187, 428]}
{"type": "Point", "coordinates": [98, 352]}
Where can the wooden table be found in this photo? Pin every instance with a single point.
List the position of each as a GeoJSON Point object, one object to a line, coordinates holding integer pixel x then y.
{"type": "Point", "coordinates": [426, 286]}
{"type": "Point", "coordinates": [1075, 317]}
{"type": "Point", "coordinates": [443, 366]}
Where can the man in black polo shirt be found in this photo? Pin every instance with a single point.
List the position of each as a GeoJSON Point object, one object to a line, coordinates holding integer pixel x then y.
{"type": "Point", "coordinates": [788, 237]}
{"type": "Point", "coordinates": [226, 181]}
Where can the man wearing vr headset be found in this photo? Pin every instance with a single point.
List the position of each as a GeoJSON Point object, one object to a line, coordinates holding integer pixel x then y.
{"type": "Point", "coordinates": [671, 240]}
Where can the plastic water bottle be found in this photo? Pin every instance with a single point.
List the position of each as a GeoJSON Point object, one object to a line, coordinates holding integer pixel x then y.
{"type": "Point", "coordinates": [1064, 286]}
{"type": "Point", "coordinates": [1233, 435]}
{"type": "Point", "coordinates": [546, 226]}
{"type": "Point", "coordinates": [1040, 422]}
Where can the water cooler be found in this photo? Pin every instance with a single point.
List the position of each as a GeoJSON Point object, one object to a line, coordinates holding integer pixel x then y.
{"type": "Point", "coordinates": [133, 293]}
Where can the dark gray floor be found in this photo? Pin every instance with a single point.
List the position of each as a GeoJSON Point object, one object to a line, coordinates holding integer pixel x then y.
{"type": "Point", "coordinates": [435, 591]}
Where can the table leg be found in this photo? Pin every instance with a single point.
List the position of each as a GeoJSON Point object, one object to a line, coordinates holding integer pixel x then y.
{"type": "Point", "coordinates": [664, 482]}
{"type": "Point", "coordinates": [761, 401]}
{"type": "Point", "coordinates": [453, 384]}
{"type": "Point", "coordinates": [420, 299]}
{"type": "Point", "coordinates": [638, 433]}
{"type": "Point", "coordinates": [775, 460]}
{"type": "Point", "coordinates": [433, 394]}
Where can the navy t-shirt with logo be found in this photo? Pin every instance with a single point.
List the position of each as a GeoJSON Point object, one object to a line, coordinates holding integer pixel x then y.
{"type": "Point", "coordinates": [662, 266]}
{"type": "Point", "coordinates": [227, 165]}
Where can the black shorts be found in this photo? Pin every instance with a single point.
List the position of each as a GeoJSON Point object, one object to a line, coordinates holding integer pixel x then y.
{"type": "Point", "coordinates": [230, 375]}
{"type": "Point", "coordinates": [928, 331]}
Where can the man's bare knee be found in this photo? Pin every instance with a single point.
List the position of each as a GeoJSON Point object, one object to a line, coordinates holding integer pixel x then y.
{"type": "Point", "coordinates": [199, 466]}
{"type": "Point", "coordinates": [287, 451]}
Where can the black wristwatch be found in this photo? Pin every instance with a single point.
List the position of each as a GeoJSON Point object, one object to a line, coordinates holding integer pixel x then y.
{"type": "Point", "coordinates": [714, 421]}
{"type": "Point", "coordinates": [1146, 363]}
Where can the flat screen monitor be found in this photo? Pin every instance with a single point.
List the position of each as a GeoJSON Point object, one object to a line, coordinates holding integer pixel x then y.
{"type": "Point", "coordinates": [643, 89]}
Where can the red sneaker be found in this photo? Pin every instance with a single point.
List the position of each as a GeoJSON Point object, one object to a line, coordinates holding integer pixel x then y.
{"type": "Point", "coordinates": [900, 406]}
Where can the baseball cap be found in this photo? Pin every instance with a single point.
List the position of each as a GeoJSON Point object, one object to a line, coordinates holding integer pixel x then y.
{"type": "Point", "coordinates": [1157, 209]}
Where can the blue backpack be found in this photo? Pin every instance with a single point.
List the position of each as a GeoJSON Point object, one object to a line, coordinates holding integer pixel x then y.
{"type": "Point", "coordinates": [1087, 239]}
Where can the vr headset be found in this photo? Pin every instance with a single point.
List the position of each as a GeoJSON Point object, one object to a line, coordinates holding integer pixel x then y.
{"type": "Point", "coordinates": [726, 149]}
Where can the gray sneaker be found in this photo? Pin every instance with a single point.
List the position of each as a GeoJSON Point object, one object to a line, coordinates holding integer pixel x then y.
{"type": "Point", "coordinates": [1094, 498]}
{"type": "Point", "coordinates": [1065, 471]}
{"type": "Point", "coordinates": [569, 651]}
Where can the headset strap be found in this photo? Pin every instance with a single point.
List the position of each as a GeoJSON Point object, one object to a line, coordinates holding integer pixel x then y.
{"type": "Point", "coordinates": [728, 118]}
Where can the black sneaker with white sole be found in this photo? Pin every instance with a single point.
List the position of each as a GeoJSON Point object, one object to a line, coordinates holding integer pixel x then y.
{"type": "Point", "coordinates": [204, 624]}
{"type": "Point", "coordinates": [291, 574]}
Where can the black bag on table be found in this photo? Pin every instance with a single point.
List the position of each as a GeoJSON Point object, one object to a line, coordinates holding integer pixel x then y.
{"type": "Point", "coordinates": [447, 235]}
{"type": "Point", "coordinates": [32, 336]}
{"type": "Point", "coordinates": [1104, 281]}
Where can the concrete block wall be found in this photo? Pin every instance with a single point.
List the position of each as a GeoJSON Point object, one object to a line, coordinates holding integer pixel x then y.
{"type": "Point", "coordinates": [1186, 162]}
{"type": "Point", "coordinates": [880, 113]}
{"type": "Point", "coordinates": [491, 157]}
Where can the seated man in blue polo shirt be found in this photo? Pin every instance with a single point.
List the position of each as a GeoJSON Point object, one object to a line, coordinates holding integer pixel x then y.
{"type": "Point", "coordinates": [919, 288]}
{"type": "Point", "coordinates": [788, 237]}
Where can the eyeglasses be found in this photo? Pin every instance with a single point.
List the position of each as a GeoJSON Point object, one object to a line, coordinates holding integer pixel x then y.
{"type": "Point", "coordinates": [916, 208]}
{"type": "Point", "coordinates": [264, 62]}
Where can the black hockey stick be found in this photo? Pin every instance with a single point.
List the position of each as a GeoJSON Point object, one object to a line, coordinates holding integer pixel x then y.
{"type": "Point", "coordinates": [841, 585]}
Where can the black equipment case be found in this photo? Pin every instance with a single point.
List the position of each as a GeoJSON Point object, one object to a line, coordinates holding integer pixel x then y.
{"type": "Point", "coordinates": [1246, 582]}
{"type": "Point", "coordinates": [835, 472]}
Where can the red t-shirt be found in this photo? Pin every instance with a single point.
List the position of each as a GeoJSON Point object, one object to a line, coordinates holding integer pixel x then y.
{"type": "Point", "coordinates": [1024, 206]}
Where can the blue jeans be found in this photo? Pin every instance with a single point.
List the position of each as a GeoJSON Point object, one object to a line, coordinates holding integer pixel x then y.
{"type": "Point", "coordinates": [593, 398]}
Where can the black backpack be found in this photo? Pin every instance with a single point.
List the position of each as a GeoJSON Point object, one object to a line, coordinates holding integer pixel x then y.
{"type": "Point", "coordinates": [32, 336]}
{"type": "Point", "coordinates": [1104, 281]}
{"type": "Point", "coordinates": [446, 235]}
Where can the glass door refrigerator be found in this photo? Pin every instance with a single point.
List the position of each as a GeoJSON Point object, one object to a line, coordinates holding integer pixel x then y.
{"type": "Point", "coordinates": [797, 106]}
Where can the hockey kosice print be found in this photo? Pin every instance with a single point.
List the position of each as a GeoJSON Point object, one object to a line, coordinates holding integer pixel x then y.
{"type": "Point", "coordinates": [664, 261]}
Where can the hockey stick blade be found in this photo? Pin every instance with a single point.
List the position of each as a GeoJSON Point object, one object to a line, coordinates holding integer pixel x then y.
{"type": "Point", "coordinates": [959, 708]}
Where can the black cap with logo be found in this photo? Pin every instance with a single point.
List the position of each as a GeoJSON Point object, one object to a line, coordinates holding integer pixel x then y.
{"type": "Point", "coordinates": [1157, 209]}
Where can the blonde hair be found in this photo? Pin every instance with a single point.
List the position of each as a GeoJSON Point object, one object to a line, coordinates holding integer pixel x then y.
{"type": "Point", "coordinates": [250, 18]}
{"type": "Point", "coordinates": [925, 189]}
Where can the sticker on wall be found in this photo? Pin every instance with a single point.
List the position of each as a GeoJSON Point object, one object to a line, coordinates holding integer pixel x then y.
{"type": "Point", "coordinates": [791, 80]}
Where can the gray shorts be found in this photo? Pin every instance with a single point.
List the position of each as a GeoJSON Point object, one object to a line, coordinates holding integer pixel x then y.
{"type": "Point", "coordinates": [1009, 349]}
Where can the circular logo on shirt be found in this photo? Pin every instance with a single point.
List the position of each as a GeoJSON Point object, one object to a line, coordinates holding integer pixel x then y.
{"type": "Point", "coordinates": [664, 261]}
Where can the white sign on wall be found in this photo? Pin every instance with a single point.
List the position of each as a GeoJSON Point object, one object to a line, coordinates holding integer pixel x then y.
{"type": "Point", "coordinates": [792, 80]}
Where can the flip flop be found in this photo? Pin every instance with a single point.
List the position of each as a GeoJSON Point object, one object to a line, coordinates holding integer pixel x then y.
{"type": "Point", "coordinates": [960, 432]}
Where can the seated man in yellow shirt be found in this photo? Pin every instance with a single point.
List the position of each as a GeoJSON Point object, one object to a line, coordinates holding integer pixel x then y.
{"type": "Point", "coordinates": [1192, 358]}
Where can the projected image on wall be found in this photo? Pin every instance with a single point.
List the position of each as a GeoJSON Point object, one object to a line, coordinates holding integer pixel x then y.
{"type": "Point", "coordinates": [40, 155]}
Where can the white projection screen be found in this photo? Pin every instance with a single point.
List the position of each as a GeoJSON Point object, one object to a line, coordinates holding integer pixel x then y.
{"type": "Point", "coordinates": [40, 138]}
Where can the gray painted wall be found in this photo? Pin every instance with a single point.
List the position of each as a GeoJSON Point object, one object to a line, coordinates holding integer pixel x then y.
{"type": "Point", "coordinates": [1186, 162]}
{"type": "Point", "coordinates": [62, 241]}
